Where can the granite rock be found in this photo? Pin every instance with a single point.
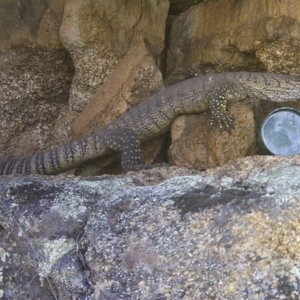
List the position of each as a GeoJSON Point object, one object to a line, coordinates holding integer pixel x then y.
{"type": "Point", "coordinates": [169, 233]}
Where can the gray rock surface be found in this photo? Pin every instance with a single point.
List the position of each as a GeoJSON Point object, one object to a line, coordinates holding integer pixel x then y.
{"type": "Point", "coordinates": [168, 233]}
{"type": "Point", "coordinates": [35, 75]}
{"type": "Point", "coordinates": [34, 87]}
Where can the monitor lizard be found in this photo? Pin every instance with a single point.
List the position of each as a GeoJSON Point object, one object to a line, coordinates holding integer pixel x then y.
{"type": "Point", "coordinates": [153, 117]}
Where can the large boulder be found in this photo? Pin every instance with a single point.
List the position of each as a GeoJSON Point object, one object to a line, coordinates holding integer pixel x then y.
{"type": "Point", "coordinates": [219, 35]}
{"type": "Point", "coordinates": [206, 147]}
{"type": "Point", "coordinates": [159, 234]}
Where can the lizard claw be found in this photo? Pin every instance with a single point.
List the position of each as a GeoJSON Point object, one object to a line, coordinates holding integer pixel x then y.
{"type": "Point", "coordinates": [224, 120]}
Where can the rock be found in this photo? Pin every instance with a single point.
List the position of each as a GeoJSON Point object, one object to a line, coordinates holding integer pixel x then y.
{"type": "Point", "coordinates": [34, 87]}
{"type": "Point", "coordinates": [198, 146]}
{"type": "Point", "coordinates": [167, 233]}
{"type": "Point", "coordinates": [36, 73]}
{"type": "Point", "coordinates": [214, 36]}
{"type": "Point", "coordinates": [30, 24]}
{"type": "Point", "coordinates": [47, 35]}
{"type": "Point", "coordinates": [179, 6]}
{"type": "Point", "coordinates": [281, 56]}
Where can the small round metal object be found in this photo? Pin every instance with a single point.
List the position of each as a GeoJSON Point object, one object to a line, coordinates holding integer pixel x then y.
{"type": "Point", "coordinates": [280, 133]}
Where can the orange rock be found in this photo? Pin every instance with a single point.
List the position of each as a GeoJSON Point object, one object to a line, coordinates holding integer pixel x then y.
{"type": "Point", "coordinates": [210, 147]}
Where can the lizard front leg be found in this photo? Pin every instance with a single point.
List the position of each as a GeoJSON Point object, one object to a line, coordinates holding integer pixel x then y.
{"type": "Point", "coordinates": [231, 91]}
{"type": "Point", "coordinates": [218, 106]}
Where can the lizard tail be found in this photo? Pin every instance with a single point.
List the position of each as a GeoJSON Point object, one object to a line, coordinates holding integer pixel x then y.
{"type": "Point", "coordinates": [59, 159]}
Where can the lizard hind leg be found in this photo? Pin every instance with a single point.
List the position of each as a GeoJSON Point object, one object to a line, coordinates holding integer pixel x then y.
{"type": "Point", "coordinates": [125, 141]}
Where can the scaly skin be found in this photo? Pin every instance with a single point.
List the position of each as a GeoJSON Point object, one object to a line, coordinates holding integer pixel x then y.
{"type": "Point", "coordinates": [153, 117]}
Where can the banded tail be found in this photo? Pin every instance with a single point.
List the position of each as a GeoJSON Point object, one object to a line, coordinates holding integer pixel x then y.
{"type": "Point", "coordinates": [59, 159]}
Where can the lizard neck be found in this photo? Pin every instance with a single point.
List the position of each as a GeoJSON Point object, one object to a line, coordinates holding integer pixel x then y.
{"type": "Point", "coordinates": [275, 87]}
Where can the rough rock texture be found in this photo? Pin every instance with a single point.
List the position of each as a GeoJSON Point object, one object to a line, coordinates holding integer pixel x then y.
{"type": "Point", "coordinates": [30, 23]}
{"type": "Point", "coordinates": [208, 147]}
{"type": "Point", "coordinates": [98, 34]}
{"type": "Point", "coordinates": [34, 86]}
{"type": "Point", "coordinates": [35, 75]}
{"type": "Point", "coordinates": [220, 35]}
{"type": "Point", "coordinates": [228, 233]}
